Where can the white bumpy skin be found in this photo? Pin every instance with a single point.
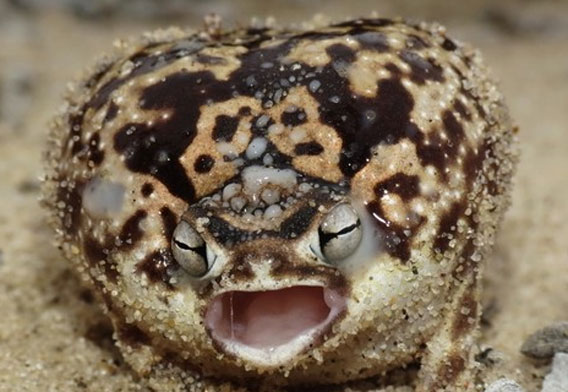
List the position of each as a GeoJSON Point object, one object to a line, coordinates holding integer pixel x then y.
{"type": "Point", "coordinates": [285, 208]}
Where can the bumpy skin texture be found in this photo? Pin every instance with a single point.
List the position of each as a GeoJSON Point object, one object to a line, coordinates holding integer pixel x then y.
{"type": "Point", "coordinates": [394, 118]}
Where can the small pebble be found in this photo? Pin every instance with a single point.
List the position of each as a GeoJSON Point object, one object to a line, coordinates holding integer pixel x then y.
{"type": "Point", "coordinates": [546, 342]}
{"type": "Point", "coordinates": [557, 379]}
{"type": "Point", "coordinates": [504, 385]}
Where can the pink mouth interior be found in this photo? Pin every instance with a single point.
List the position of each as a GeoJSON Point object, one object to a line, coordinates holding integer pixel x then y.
{"type": "Point", "coordinates": [265, 319]}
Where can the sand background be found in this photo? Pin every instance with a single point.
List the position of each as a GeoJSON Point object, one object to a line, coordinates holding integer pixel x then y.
{"type": "Point", "coordinates": [54, 338]}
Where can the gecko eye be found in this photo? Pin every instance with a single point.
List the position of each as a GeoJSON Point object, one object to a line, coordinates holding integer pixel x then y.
{"type": "Point", "coordinates": [340, 233]}
{"type": "Point", "coordinates": [189, 250]}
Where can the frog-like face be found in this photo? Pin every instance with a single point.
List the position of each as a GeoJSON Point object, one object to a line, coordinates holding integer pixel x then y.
{"type": "Point", "coordinates": [299, 203]}
{"type": "Point", "coordinates": [281, 252]}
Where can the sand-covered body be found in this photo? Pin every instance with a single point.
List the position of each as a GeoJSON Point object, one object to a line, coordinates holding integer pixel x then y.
{"type": "Point", "coordinates": [253, 137]}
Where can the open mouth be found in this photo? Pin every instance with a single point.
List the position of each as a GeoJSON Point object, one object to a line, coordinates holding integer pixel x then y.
{"type": "Point", "coordinates": [268, 320]}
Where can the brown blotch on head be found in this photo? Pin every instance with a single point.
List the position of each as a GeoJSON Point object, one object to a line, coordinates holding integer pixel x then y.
{"type": "Point", "coordinates": [169, 221]}
{"type": "Point", "coordinates": [416, 43]}
{"type": "Point", "coordinates": [111, 113]}
{"type": "Point", "coordinates": [466, 265]}
{"type": "Point", "coordinates": [449, 370]}
{"type": "Point", "coordinates": [437, 151]}
{"type": "Point", "coordinates": [395, 237]}
{"type": "Point", "coordinates": [131, 232]}
{"type": "Point", "coordinates": [241, 269]}
{"type": "Point", "coordinates": [97, 254]}
{"type": "Point", "coordinates": [422, 69]}
{"type": "Point", "coordinates": [147, 189]}
{"type": "Point", "coordinates": [95, 154]}
{"type": "Point", "coordinates": [225, 128]}
{"type": "Point", "coordinates": [462, 110]}
{"type": "Point", "coordinates": [308, 148]}
{"type": "Point", "coordinates": [466, 311]}
{"type": "Point", "coordinates": [448, 226]}
{"type": "Point", "coordinates": [373, 40]}
{"type": "Point", "coordinates": [407, 187]}
{"type": "Point", "coordinates": [209, 60]}
{"type": "Point", "coordinates": [449, 45]}
{"type": "Point", "coordinates": [203, 164]}
{"type": "Point", "coordinates": [155, 266]}
{"type": "Point", "coordinates": [245, 111]}
{"type": "Point", "coordinates": [473, 161]}
{"type": "Point", "coordinates": [294, 118]}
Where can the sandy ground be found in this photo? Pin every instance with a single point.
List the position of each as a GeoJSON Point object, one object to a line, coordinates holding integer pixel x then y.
{"type": "Point", "coordinates": [54, 338]}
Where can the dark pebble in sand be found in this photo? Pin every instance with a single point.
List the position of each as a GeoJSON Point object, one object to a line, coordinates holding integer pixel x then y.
{"type": "Point", "coordinates": [546, 342]}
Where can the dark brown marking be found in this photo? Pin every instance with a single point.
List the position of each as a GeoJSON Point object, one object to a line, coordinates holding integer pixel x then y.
{"type": "Point", "coordinates": [169, 220]}
{"type": "Point", "coordinates": [466, 264]}
{"type": "Point", "coordinates": [473, 162]}
{"type": "Point", "coordinates": [394, 69]}
{"type": "Point", "coordinates": [294, 118]}
{"type": "Point", "coordinates": [147, 189]}
{"type": "Point", "coordinates": [422, 69]}
{"type": "Point", "coordinates": [373, 40]}
{"type": "Point", "coordinates": [416, 43]}
{"type": "Point", "coordinates": [95, 154]}
{"type": "Point", "coordinates": [97, 76]}
{"type": "Point", "coordinates": [391, 120]}
{"type": "Point", "coordinates": [132, 335]}
{"type": "Point", "coordinates": [155, 266]}
{"type": "Point", "coordinates": [461, 109]}
{"type": "Point", "coordinates": [245, 111]}
{"type": "Point", "coordinates": [225, 128]}
{"type": "Point", "coordinates": [145, 147]}
{"type": "Point", "coordinates": [449, 370]}
{"type": "Point", "coordinates": [98, 254]}
{"type": "Point", "coordinates": [308, 148]}
{"type": "Point", "coordinates": [103, 94]}
{"type": "Point", "coordinates": [461, 324]}
{"type": "Point", "coordinates": [203, 164]}
{"type": "Point", "coordinates": [376, 22]}
{"type": "Point", "coordinates": [209, 60]}
{"type": "Point", "coordinates": [131, 232]}
{"type": "Point", "coordinates": [297, 224]}
{"type": "Point", "coordinates": [440, 152]}
{"type": "Point", "coordinates": [361, 122]}
{"type": "Point", "coordinates": [342, 52]}
{"type": "Point", "coordinates": [448, 226]}
{"type": "Point", "coordinates": [242, 270]}
{"type": "Point", "coordinates": [407, 187]}
{"type": "Point", "coordinates": [396, 238]}
{"type": "Point", "coordinates": [449, 45]}
{"type": "Point", "coordinates": [111, 113]}
{"type": "Point", "coordinates": [335, 280]}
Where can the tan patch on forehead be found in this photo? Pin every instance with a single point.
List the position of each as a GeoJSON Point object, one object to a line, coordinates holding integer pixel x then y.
{"type": "Point", "coordinates": [323, 165]}
{"type": "Point", "coordinates": [366, 71]}
{"type": "Point", "coordinates": [204, 144]}
{"type": "Point", "coordinates": [386, 161]}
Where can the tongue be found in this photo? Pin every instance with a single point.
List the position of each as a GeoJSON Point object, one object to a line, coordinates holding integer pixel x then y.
{"type": "Point", "coordinates": [266, 319]}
